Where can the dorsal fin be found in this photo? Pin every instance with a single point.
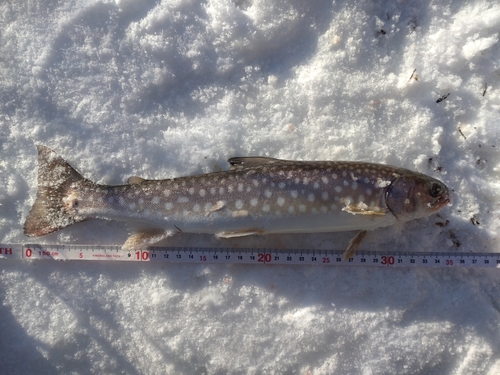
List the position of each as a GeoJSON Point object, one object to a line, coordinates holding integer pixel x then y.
{"type": "Point", "coordinates": [250, 161]}
{"type": "Point", "coordinates": [135, 180]}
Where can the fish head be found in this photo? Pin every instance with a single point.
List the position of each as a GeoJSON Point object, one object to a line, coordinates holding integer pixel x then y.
{"type": "Point", "coordinates": [413, 196]}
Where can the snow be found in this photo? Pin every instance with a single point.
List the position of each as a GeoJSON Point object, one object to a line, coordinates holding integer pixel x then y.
{"type": "Point", "coordinates": [170, 88]}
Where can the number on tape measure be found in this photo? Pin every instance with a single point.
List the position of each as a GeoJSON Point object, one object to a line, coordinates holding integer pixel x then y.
{"type": "Point", "coordinates": [142, 255]}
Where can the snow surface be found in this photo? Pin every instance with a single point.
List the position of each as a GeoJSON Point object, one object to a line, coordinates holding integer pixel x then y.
{"type": "Point", "coordinates": [170, 88]}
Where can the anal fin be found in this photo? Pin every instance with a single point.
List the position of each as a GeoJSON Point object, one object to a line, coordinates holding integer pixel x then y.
{"type": "Point", "coordinates": [240, 233]}
{"type": "Point", "coordinates": [360, 210]}
{"type": "Point", "coordinates": [354, 244]}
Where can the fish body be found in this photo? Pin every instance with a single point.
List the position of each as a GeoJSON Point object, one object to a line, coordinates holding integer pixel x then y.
{"type": "Point", "coordinates": [257, 196]}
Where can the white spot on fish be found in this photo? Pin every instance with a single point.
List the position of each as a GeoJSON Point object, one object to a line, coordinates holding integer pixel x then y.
{"type": "Point", "coordinates": [131, 206]}
{"type": "Point", "coordinates": [346, 200]}
{"type": "Point", "coordinates": [191, 191]}
{"type": "Point", "coordinates": [306, 180]}
{"type": "Point", "coordinates": [268, 193]}
{"type": "Point", "coordinates": [280, 201]}
{"type": "Point", "coordinates": [382, 183]}
{"type": "Point", "coordinates": [212, 190]}
{"type": "Point", "coordinates": [316, 185]}
{"type": "Point", "coordinates": [338, 189]}
{"type": "Point", "coordinates": [291, 209]}
{"type": "Point", "coordinates": [311, 197]}
{"type": "Point", "coordinates": [207, 207]}
{"type": "Point", "coordinates": [266, 208]}
{"type": "Point", "coordinates": [221, 190]}
{"type": "Point", "coordinates": [230, 188]}
{"type": "Point", "coordinates": [166, 192]}
{"type": "Point", "coordinates": [346, 182]}
{"type": "Point", "coordinates": [196, 208]}
{"type": "Point", "coordinates": [240, 213]}
{"type": "Point", "coordinates": [344, 173]}
{"type": "Point", "coordinates": [240, 187]}
{"type": "Point", "coordinates": [202, 192]}
{"type": "Point", "coordinates": [324, 179]}
{"type": "Point", "coordinates": [253, 202]}
{"type": "Point", "coordinates": [141, 201]}
{"type": "Point", "coordinates": [183, 199]}
{"type": "Point", "coordinates": [238, 204]}
{"type": "Point", "coordinates": [294, 193]}
{"type": "Point", "coordinates": [334, 176]}
{"type": "Point", "coordinates": [121, 201]}
{"type": "Point", "coordinates": [281, 185]}
{"type": "Point", "coordinates": [302, 207]}
{"type": "Point", "coordinates": [155, 200]}
{"type": "Point", "coordinates": [168, 206]}
{"type": "Point", "coordinates": [255, 183]}
{"type": "Point", "coordinates": [354, 185]}
{"type": "Point", "coordinates": [368, 191]}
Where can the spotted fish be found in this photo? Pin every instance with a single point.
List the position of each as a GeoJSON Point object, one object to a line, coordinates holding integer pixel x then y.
{"type": "Point", "coordinates": [258, 195]}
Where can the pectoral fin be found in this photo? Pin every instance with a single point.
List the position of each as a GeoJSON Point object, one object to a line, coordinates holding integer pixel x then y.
{"type": "Point", "coordinates": [143, 238]}
{"type": "Point", "coordinates": [241, 233]}
{"type": "Point", "coordinates": [354, 244]}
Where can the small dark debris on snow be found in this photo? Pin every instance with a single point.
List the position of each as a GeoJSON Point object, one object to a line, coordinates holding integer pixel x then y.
{"type": "Point", "coordinates": [460, 131]}
{"type": "Point", "coordinates": [414, 75]}
{"type": "Point", "coordinates": [443, 98]}
{"type": "Point", "coordinates": [441, 224]}
{"type": "Point", "coordinates": [474, 221]}
{"type": "Point", "coordinates": [453, 238]}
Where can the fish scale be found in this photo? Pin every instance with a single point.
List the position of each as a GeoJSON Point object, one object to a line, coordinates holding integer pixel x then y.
{"type": "Point", "coordinates": [257, 196]}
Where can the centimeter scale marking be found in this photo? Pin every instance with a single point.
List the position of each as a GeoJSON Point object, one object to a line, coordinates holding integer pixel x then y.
{"type": "Point", "coordinates": [249, 256]}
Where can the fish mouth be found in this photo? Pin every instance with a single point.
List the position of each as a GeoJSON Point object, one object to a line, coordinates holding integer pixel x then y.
{"type": "Point", "coordinates": [442, 201]}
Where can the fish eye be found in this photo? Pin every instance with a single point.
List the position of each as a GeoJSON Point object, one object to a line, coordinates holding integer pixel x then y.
{"type": "Point", "coordinates": [435, 190]}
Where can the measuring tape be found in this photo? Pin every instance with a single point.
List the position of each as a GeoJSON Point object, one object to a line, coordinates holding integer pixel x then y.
{"type": "Point", "coordinates": [249, 256]}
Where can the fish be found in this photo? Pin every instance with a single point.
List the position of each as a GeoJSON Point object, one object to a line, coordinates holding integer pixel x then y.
{"type": "Point", "coordinates": [257, 195]}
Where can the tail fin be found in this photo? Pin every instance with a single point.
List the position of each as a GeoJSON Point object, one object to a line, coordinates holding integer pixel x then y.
{"type": "Point", "coordinates": [55, 176]}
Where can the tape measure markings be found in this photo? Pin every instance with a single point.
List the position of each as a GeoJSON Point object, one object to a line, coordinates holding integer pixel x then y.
{"type": "Point", "coordinates": [249, 256]}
